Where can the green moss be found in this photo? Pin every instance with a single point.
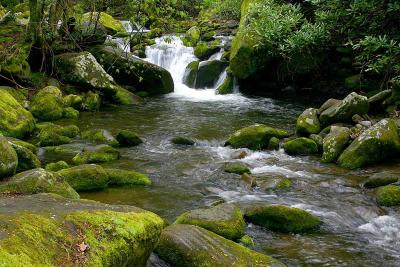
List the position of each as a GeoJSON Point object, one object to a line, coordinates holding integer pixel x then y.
{"type": "Point", "coordinates": [57, 166]}
{"type": "Point", "coordinates": [52, 138]}
{"type": "Point", "coordinates": [335, 142]}
{"type": "Point", "coordinates": [26, 158]}
{"type": "Point", "coordinates": [227, 86]}
{"type": "Point", "coordinates": [86, 177]}
{"type": "Point", "coordinates": [47, 104]}
{"type": "Point", "coordinates": [91, 101]}
{"type": "Point", "coordinates": [120, 177]}
{"type": "Point", "coordinates": [204, 50]}
{"type": "Point", "coordinates": [127, 138]}
{"type": "Point", "coordinates": [70, 113]}
{"type": "Point", "coordinates": [193, 35]}
{"type": "Point", "coordinates": [236, 167]}
{"type": "Point", "coordinates": [27, 145]}
{"type": "Point", "coordinates": [255, 137]}
{"type": "Point", "coordinates": [97, 154]}
{"type": "Point", "coordinates": [18, 94]}
{"type": "Point", "coordinates": [247, 241]}
{"type": "Point", "coordinates": [8, 159]}
{"type": "Point", "coordinates": [100, 137]}
{"type": "Point", "coordinates": [180, 140]}
{"type": "Point", "coordinates": [225, 220]}
{"type": "Point", "coordinates": [74, 101]}
{"type": "Point", "coordinates": [284, 184]}
{"type": "Point", "coordinates": [70, 131]}
{"type": "Point", "coordinates": [124, 97]}
{"type": "Point", "coordinates": [301, 146]}
{"type": "Point", "coordinates": [273, 143]}
{"type": "Point", "coordinates": [108, 22]}
{"type": "Point", "coordinates": [282, 219]}
{"type": "Point", "coordinates": [388, 195]}
{"type": "Point", "coordinates": [308, 122]}
{"type": "Point", "coordinates": [189, 78]}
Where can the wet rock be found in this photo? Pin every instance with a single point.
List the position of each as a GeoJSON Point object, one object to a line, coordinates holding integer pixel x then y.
{"type": "Point", "coordinates": [282, 218]}
{"type": "Point", "coordinates": [111, 25]}
{"type": "Point", "coordinates": [255, 137]}
{"type": "Point", "coordinates": [70, 131]}
{"type": "Point", "coordinates": [8, 159]}
{"type": "Point", "coordinates": [247, 241]}
{"type": "Point", "coordinates": [96, 154]}
{"type": "Point", "coordinates": [180, 140]}
{"type": "Point", "coordinates": [189, 245]}
{"type": "Point", "coordinates": [127, 138]}
{"type": "Point", "coordinates": [224, 219]}
{"type": "Point", "coordinates": [47, 104]}
{"type": "Point", "coordinates": [132, 71]}
{"type": "Point", "coordinates": [204, 51]}
{"type": "Point", "coordinates": [300, 146]}
{"type": "Point", "coordinates": [236, 167]}
{"type": "Point", "coordinates": [74, 101]}
{"type": "Point", "coordinates": [100, 136]}
{"type": "Point", "coordinates": [15, 121]}
{"type": "Point", "coordinates": [70, 113]}
{"type": "Point", "coordinates": [63, 152]}
{"type": "Point", "coordinates": [273, 183]}
{"type": "Point", "coordinates": [86, 177]}
{"type": "Point", "coordinates": [209, 72]}
{"type": "Point", "coordinates": [228, 85]}
{"type": "Point", "coordinates": [15, 141]}
{"type": "Point", "coordinates": [319, 140]}
{"type": "Point", "coordinates": [57, 166]}
{"type": "Point", "coordinates": [53, 135]}
{"type": "Point", "coordinates": [117, 235]}
{"type": "Point", "coordinates": [373, 145]}
{"type": "Point", "coordinates": [190, 76]}
{"type": "Point", "coordinates": [357, 118]}
{"type": "Point", "coordinates": [120, 177]}
{"type": "Point", "coordinates": [334, 143]}
{"type": "Point", "coordinates": [241, 154]}
{"type": "Point", "coordinates": [250, 180]}
{"type": "Point", "coordinates": [388, 195]}
{"type": "Point", "coordinates": [308, 122]}
{"type": "Point", "coordinates": [344, 110]}
{"type": "Point", "coordinates": [381, 179]}
{"type": "Point", "coordinates": [38, 181]}
{"type": "Point", "coordinates": [26, 158]}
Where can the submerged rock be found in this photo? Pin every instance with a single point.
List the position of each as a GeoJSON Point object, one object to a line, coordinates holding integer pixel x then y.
{"type": "Point", "coordinates": [8, 159]}
{"type": "Point", "coordinates": [100, 136]}
{"type": "Point", "coordinates": [335, 142]}
{"type": "Point", "coordinates": [308, 122]}
{"type": "Point", "coordinates": [224, 219]}
{"type": "Point", "coordinates": [86, 177]}
{"type": "Point", "coordinates": [282, 218]}
{"type": "Point", "coordinates": [47, 104]}
{"type": "Point", "coordinates": [209, 72]}
{"type": "Point", "coordinates": [127, 138]}
{"type": "Point", "coordinates": [96, 154]}
{"type": "Point", "coordinates": [236, 167]}
{"type": "Point", "coordinates": [375, 144]}
{"type": "Point", "coordinates": [15, 121]}
{"type": "Point", "coordinates": [75, 232]}
{"type": "Point", "coordinates": [300, 146]}
{"type": "Point", "coordinates": [189, 245]}
{"type": "Point", "coordinates": [255, 137]}
{"type": "Point", "coordinates": [180, 140]}
{"type": "Point", "coordinates": [388, 195]}
{"type": "Point", "coordinates": [38, 181]}
{"type": "Point", "coordinates": [381, 179]}
{"type": "Point", "coordinates": [120, 177]}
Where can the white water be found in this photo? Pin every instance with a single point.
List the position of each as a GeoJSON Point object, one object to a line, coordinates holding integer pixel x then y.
{"type": "Point", "coordinates": [170, 53]}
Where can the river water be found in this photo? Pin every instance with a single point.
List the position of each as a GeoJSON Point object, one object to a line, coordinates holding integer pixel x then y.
{"type": "Point", "coordinates": [355, 231]}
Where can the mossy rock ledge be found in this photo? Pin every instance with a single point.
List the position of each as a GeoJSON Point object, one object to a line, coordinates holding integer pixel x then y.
{"type": "Point", "coordinates": [192, 246]}
{"type": "Point", "coordinates": [49, 230]}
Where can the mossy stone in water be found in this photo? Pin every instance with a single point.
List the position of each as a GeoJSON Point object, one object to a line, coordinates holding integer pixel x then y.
{"type": "Point", "coordinates": [27, 145]}
{"type": "Point", "coordinates": [227, 86]}
{"type": "Point", "coordinates": [255, 137]}
{"type": "Point", "coordinates": [300, 146]}
{"type": "Point", "coordinates": [334, 143]}
{"type": "Point", "coordinates": [308, 122]}
{"type": "Point", "coordinates": [91, 101]}
{"type": "Point", "coordinates": [247, 241]}
{"type": "Point", "coordinates": [26, 158]}
{"type": "Point", "coordinates": [190, 76]}
{"type": "Point", "coordinates": [96, 154]}
{"type": "Point", "coordinates": [38, 181]}
{"type": "Point", "coordinates": [375, 144]}
{"type": "Point", "coordinates": [120, 177]}
{"type": "Point", "coordinates": [47, 104]}
{"type": "Point", "coordinates": [52, 138]}
{"type": "Point", "coordinates": [236, 167]}
{"type": "Point", "coordinates": [204, 51]}
{"type": "Point", "coordinates": [74, 101]}
{"type": "Point", "coordinates": [282, 218]}
{"type": "Point", "coordinates": [388, 195]}
{"type": "Point", "coordinates": [57, 166]}
{"type": "Point", "coordinates": [70, 113]}
{"type": "Point", "coordinates": [86, 177]}
{"type": "Point", "coordinates": [273, 143]}
{"type": "Point", "coordinates": [100, 136]}
{"type": "Point", "coordinates": [192, 246]}
{"type": "Point", "coordinates": [127, 138]}
{"type": "Point", "coordinates": [180, 140]}
{"type": "Point", "coordinates": [70, 131]}
{"type": "Point", "coordinates": [8, 159]}
{"type": "Point", "coordinates": [381, 179]}
{"type": "Point", "coordinates": [224, 219]}
{"type": "Point", "coordinates": [193, 34]}
{"type": "Point", "coordinates": [209, 72]}
{"type": "Point", "coordinates": [319, 140]}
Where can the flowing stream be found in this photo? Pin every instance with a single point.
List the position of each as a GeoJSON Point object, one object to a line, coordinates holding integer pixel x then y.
{"type": "Point", "coordinates": [355, 231]}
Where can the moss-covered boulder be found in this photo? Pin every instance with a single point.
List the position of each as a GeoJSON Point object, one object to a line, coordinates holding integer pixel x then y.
{"type": "Point", "coordinates": [128, 138]}
{"type": "Point", "coordinates": [15, 121]}
{"type": "Point", "coordinates": [49, 137]}
{"type": "Point", "coordinates": [335, 142]}
{"type": "Point", "coordinates": [120, 177]}
{"type": "Point", "coordinates": [15, 141]}
{"type": "Point", "coordinates": [308, 122]}
{"type": "Point", "coordinates": [255, 137]}
{"type": "Point", "coordinates": [70, 131]}
{"type": "Point", "coordinates": [86, 177]}
{"type": "Point", "coordinates": [96, 154]}
{"type": "Point", "coordinates": [19, 94]}
{"type": "Point", "coordinates": [8, 159]}
{"type": "Point", "coordinates": [190, 75]}
{"type": "Point", "coordinates": [189, 245]}
{"type": "Point", "coordinates": [181, 140]}
{"type": "Point", "coordinates": [344, 110]}
{"type": "Point", "coordinates": [132, 71]}
{"type": "Point", "coordinates": [224, 219]}
{"type": "Point", "coordinates": [388, 195]}
{"type": "Point", "coordinates": [47, 104]}
{"type": "Point", "coordinates": [100, 136]}
{"type": "Point", "coordinates": [209, 72]}
{"type": "Point", "coordinates": [227, 87]}
{"type": "Point", "coordinates": [70, 113]}
{"type": "Point", "coordinates": [56, 166]}
{"type": "Point", "coordinates": [375, 144]}
{"type": "Point", "coordinates": [381, 179]}
{"type": "Point", "coordinates": [204, 50]}
{"type": "Point", "coordinates": [75, 232]}
{"type": "Point", "coordinates": [319, 140]}
{"type": "Point", "coordinates": [91, 101]}
{"type": "Point", "coordinates": [61, 153]}
{"type": "Point", "coordinates": [112, 25]}
{"type": "Point", "coordinates": [74, 101]}
{"type": "Point", "coordinates": [300, 146]}
{"type": "Point", "coordinates": [236, 167]}
{"type": "Point", "coordinates": [38, 181]}
{"type": "Point", "coordinates": [282, 218]}
{"type": "Point", "coordinates": [26, 158]}
{"type": "Point", "coordinates": [193, 35]}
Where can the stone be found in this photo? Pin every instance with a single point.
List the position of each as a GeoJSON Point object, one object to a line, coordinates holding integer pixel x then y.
{"type": "Point", "coordinates": [74, 101]}
{"type": "Point", "coordinates": [282, 218]}
{"type": "Point", "coordinates": [112, 25]}
{"type": "Point", "coordinates": [236, 167]}
{"type": "Point", "coordinates": [38, 181]}
{"type": "Point", "coordinates": [180, 140]}
{"type": "Point", "coordinates": [224, 219]}
{"type": "Point", "coordinates": [334, 143]}
{"type": "Point", "coordinates": [308, 122]}
{"type": "Point", "coordinates": [300, 146]}
{"type": "Point", "coordinates": [120, 177]}
{"type": "Point", "coordinates": [319, 140]}
{"type": "Point", "coordinates": [375, 144]}
{"type": "Point", "coordinates": [255, 137]}
{"type": "Point", "coordinates": [388, 195]}
{"type": "Point", "coordinates": [8, 159]}
{"type": "Point", "coordinates": [96, 154]}
{"type": "Point", "coordinates": [327, 104]}
{"type": "Point", "coordinates": [193, 35]}
{"type": "Point", "coordinates": [87, 177]}
{"type": "Point", "coordinates": [128, 138]}
{"type": "Point", "coordinates": [381, 179]}
{"type": "Point", "coordinates": [250, 180]}
{"type": "Point", "coordinates": [204, 51]}
{"type": "Point", "coordinates": [47, 104]}
{"type": "Point", "coordinates": [190, 245]}
{"type": "Point", "coordinates": [56, 166]}
{"type": "Point", "coordinates": [100, 136]}
{"type": "Point", "coordinates": [91, 101]}
{"type": "Point", "coordinates": [190, 75]}
{"type": "Point", "coordinates": [209, 72]}
{"type": "Point", "coordinates": [26, 158]}
{"type": "Point", "coordinates": [274, 143]}
{"type": "Point", "coordinates": [227, 87]}
{"type": "Point", "coordinates": [70, 113]}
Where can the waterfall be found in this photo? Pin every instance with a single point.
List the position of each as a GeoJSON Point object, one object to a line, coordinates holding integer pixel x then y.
{"type": "Point", "coordinates": [170, 53]}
